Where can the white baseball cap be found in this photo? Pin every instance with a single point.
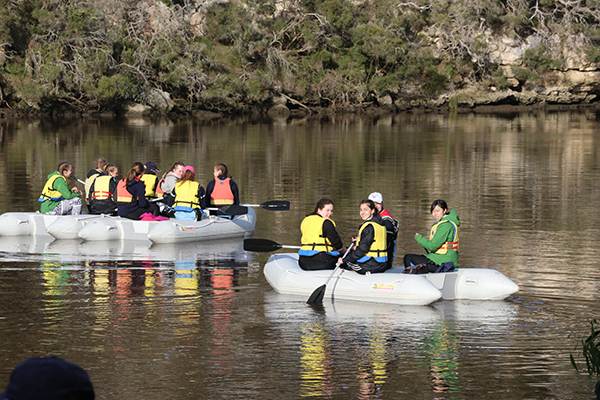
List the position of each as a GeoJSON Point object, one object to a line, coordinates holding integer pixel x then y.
{"type": "Point", "coordinates": [376, 197]}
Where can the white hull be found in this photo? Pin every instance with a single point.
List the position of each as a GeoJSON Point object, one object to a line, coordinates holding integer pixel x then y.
{"type": "Point", "coordinates": [285, 276]}
{"type": "Point", "coordinates": [36, 224]}
{"type": "Point", "coordinates": [209, 228]}
{"type": "Point", "coordinates": [172, 231]}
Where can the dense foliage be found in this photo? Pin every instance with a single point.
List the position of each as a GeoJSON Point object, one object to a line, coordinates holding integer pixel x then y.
{"type": "Point", "coordinates": [233, 55]}
{"type": "Point", "coordinates": [590, 349]}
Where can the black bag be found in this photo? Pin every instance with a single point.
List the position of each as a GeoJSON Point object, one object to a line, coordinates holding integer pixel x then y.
{"type": "Point", "coordinates": [445, 267]}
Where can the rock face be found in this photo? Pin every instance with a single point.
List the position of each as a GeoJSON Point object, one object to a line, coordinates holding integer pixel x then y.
{"type": "Point", "coordinates": [159, 100]}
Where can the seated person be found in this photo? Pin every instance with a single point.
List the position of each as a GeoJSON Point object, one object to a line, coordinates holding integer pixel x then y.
{"type": "Point", "coordinates": [188, 196]}
{"type": "Point", "coordinates": [56, 197]}
{"type": "Point", "coordinates": [370, 252]}
{"type": "Point", "coordinates": [442, 245]}
{"type": "Point", "coordinates": [131, 195]}
{"type": "Point", "coordinates": [321, 244]}
{"type": "Point", "coordinates": [103, 192]}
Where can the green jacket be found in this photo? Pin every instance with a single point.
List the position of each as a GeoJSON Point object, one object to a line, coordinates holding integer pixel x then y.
{"type": "Point", "coordinates": [63, 188]}
{"type": "Point", "coordinates": [444, 233]}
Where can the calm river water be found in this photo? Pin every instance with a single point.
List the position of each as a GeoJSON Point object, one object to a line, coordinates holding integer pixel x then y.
{"type": "Point", "coordinates": [200, 321]}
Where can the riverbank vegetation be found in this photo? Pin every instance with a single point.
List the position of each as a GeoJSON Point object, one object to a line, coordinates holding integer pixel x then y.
{"type": "Point", "coordinates": [237, 56]}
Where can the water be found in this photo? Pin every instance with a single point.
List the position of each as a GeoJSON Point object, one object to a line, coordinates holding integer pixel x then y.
{"type": "Point", "coordinates": [191, 321]}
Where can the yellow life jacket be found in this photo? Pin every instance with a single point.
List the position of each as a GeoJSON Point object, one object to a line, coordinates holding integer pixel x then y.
{"type": "Point", "coordinates": [49, 193]}
{"type": "Point", "coordinates": [186, 196]}
{"type": "Point", "coordinates": [448, 245]}
{"type": "Point", "coordinates": [90, 180]}
{"type": "Point", "coordinates": [222, 194]}
{"type": "Point", "coordinates": [150, 182]}
{"type": "Point", "coordinates": [313, 241]}
{"type": "Point", "coordinates": [378, 248]}
{"type": "Point", "coordinates": [100, 189]}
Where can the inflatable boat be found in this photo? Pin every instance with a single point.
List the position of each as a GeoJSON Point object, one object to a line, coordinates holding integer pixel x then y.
{"type": "Point", "coordinates": [285, 276]}
{"type": "Point", "coordinates": [171, 231]}
{"type": "Point", "coordinates": [35, 224]}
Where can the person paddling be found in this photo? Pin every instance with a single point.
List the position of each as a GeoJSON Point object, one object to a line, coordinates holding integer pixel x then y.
{"type": "Point", "coordinates": [370, 252]}
{"type": "Point", "coordinates": [56, 197]}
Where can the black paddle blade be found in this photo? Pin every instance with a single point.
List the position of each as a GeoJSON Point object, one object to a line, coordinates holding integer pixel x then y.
{"type": "Point", "coordinates": [261, 245]}
{"type": "Point", "coordinates": [276, 205]}
{"type": "Point", "coordinates": [317, 295]}
{"type": "Point", "coordinates": [232, 210]}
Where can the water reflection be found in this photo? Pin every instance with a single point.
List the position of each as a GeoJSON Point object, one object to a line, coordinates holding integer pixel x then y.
{"type": "Point", "coordinates": [375, 342]}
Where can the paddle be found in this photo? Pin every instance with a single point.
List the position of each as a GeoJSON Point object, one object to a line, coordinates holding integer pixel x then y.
{"type": "Point", "coordinates": [264, 245]}
{"type": "Point", "coordinates": [80, 181]}
{"type": "Point", "coordinates": [229, 210]}
{"type": "Point", "coordinates": [319, 293]}
{"type": "Point", "coordinates": [273, 205]}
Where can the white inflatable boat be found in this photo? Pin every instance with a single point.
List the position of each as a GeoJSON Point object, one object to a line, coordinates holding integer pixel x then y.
{"type": "Point", "coordinates": [285, 276]}
{"type": "Point", "coordinates": [35, 224]}
{"type": "Point", "coordinates": [171, 231]}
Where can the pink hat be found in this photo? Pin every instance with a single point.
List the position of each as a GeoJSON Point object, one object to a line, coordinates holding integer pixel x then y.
{"type": "Point", "coordinates": [189, 168]}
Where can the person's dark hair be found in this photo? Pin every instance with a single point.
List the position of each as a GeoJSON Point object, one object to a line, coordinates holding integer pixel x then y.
{"type": "Point", "coordinates": [322, 203]}
{"type": "Point", "coordinates": [176, 164]}
{"type": "Point", "coordinates": [371, 205]}
{"type": "Point", "coordinates": [137, 169]}
{"type": "Point", "coordinates": [222, 168]}
{"type": "Point", "coordinates": [442, 205]}
{"type": "Point", "coordinates": [63, 166]}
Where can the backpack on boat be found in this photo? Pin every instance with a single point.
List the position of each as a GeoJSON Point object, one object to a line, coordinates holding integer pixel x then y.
{"type": "Point", "coordinates": [445, 267]}
{"type": "Point", "coordinates": [424, 268]}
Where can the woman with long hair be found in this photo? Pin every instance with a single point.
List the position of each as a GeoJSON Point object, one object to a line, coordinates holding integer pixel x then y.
{"type": "Point", "coordinates": [370, 251]}
{"type": "Point", "coordinates": [321, 244]}
{"type": "Point", "coordinates": [131, 198]}
{"type": "Point", "coordinates": [188, 196]}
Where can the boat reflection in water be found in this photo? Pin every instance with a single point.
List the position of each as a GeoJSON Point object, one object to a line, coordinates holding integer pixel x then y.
{"type": "Point", "coordinates": [381, 340]}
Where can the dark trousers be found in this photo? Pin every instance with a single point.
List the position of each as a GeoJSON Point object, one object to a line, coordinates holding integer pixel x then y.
{"type": "Point", "coordinates": [317, 262]}
{"type": "Point", "coordinates": [416, 259]}
{"type": "Point", "coordinates": [137, 214]}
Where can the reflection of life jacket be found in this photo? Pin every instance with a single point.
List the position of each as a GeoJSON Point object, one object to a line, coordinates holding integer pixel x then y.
{"type": "Point", "coordinates": [100, 189]}
{"type": "Point", "coordinates": [150, 182]}
{"type": "Point", "coordinates": [449, 244]}
{"type": "Point", "coordinates": [186, 198]}
{"type": "Point", "coordinates": [123, 195]}
{"type": "Point", "coordinates": [378, 248]}
{"type": "Point", "coordinates": [49, 193]}
{"type": "Point", "coordinates": [313, 241]}
{"type": "Point", "coordinates": [221, 194]}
